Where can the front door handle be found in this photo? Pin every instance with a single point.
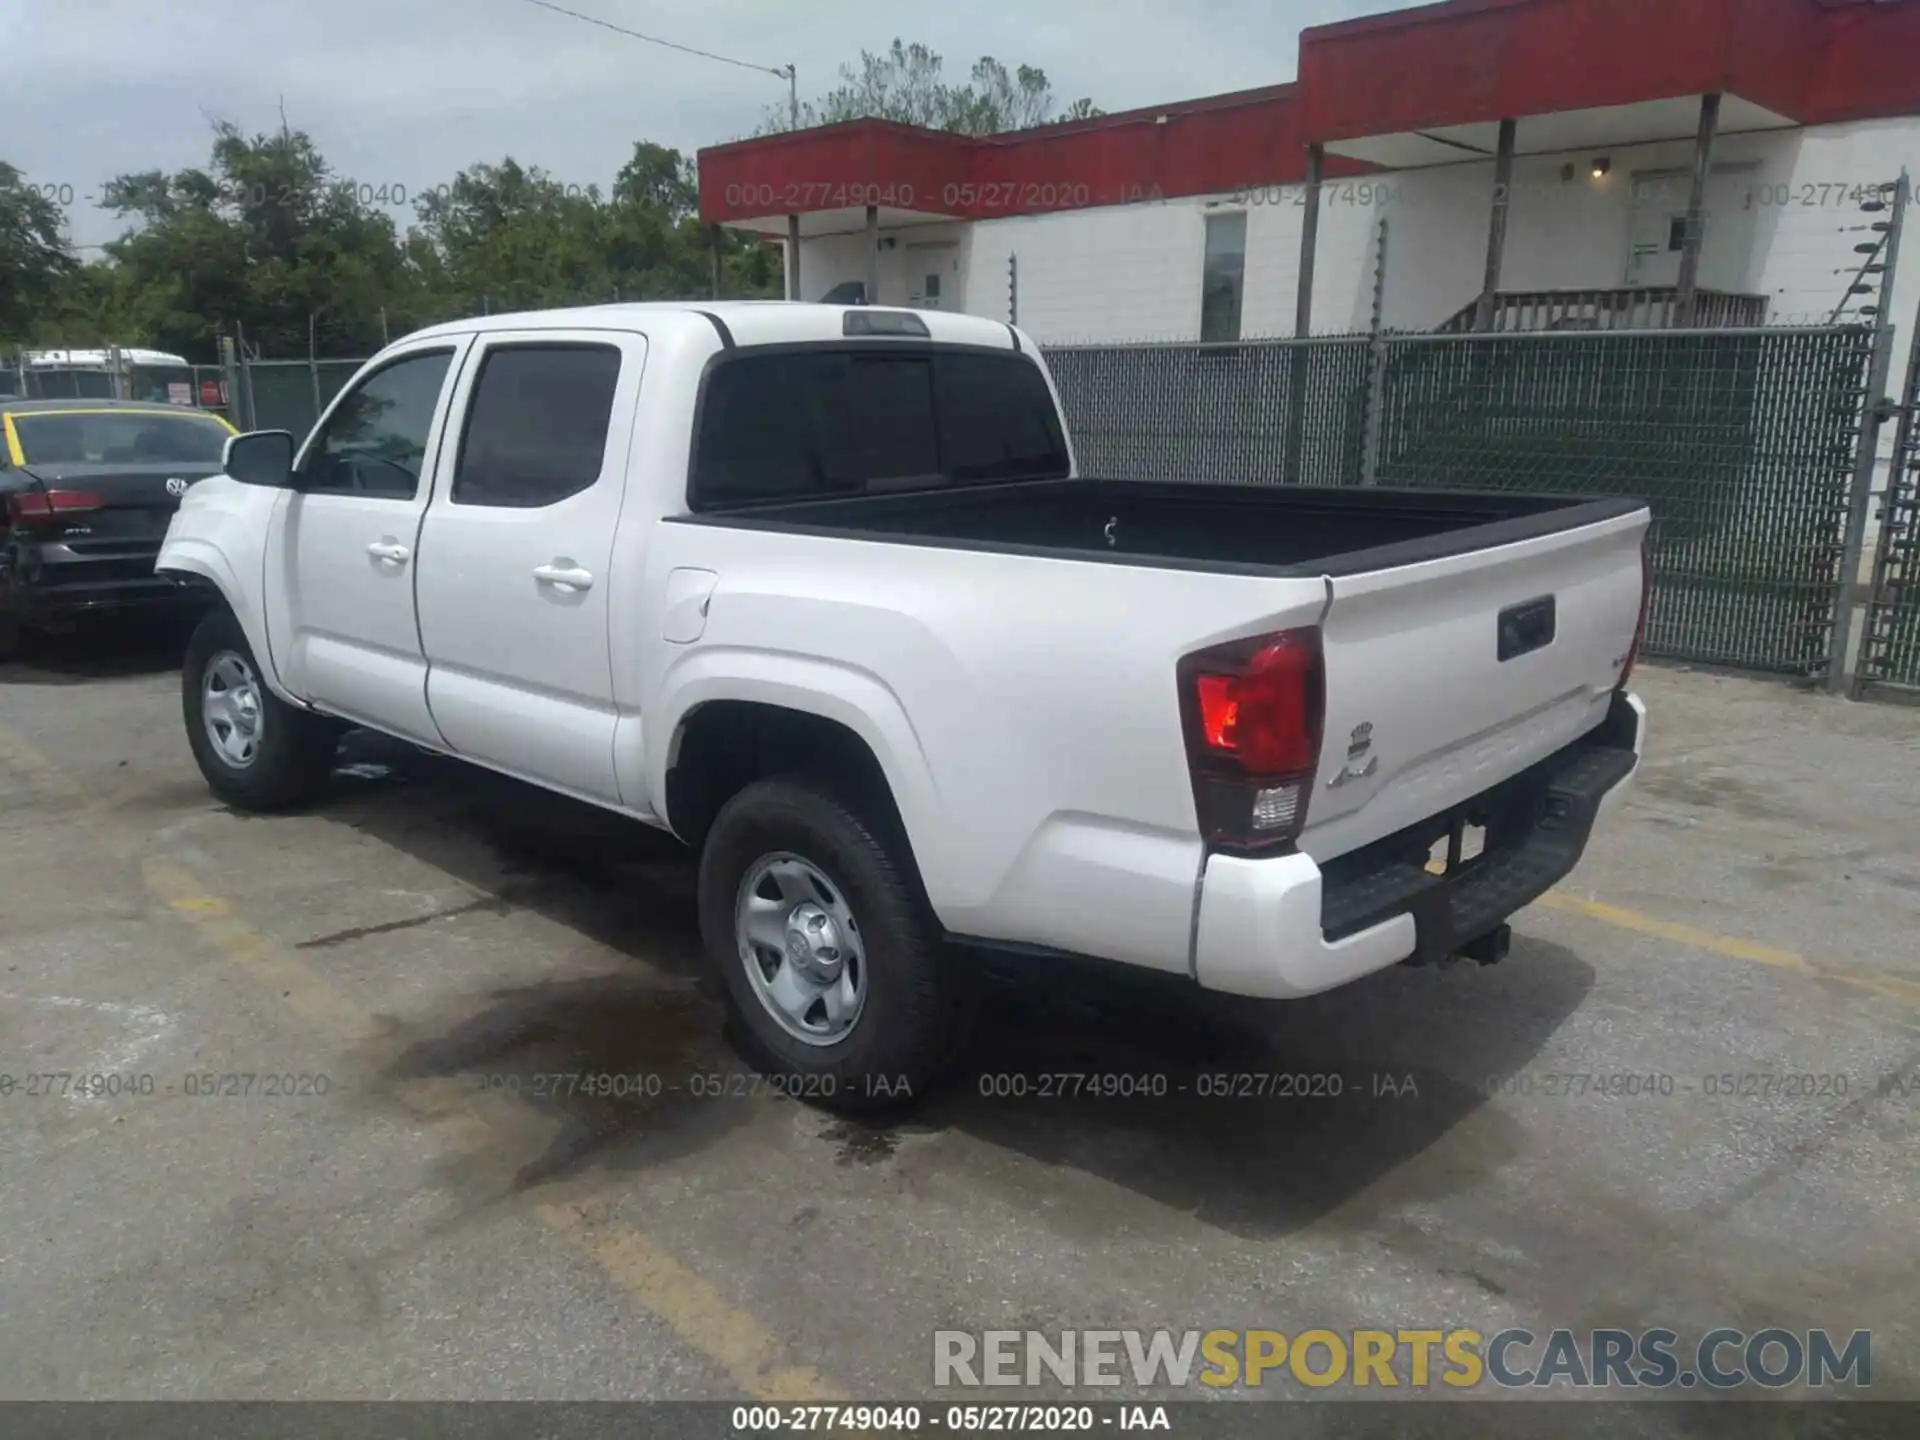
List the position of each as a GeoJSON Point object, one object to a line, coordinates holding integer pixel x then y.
{"type": "Point", "coordinates": [390, 551]}
{"type": "Point", "coordinates": [563, 576]}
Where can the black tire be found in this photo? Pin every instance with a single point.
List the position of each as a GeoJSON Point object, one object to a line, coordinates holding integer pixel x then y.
{"type": "Point", "coordinates": [294, 756]}
{"type": "Point", "coordinates": [9, 637]}
{"type": "Point", "coordinates": [919, 997]}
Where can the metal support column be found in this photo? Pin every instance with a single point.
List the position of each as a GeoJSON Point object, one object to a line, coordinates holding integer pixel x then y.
{"type": "Point", "coordinates": [313, 364]}
{"type": "Point", "coordinates": [1497, 226]}
{"type": "Point", "coordinates": [713, 262]}
{"type": "Point", "coordinates": [793, 257]}
{"type": "Point", "coordinates": [1875, 411]}
{"type": "Point", "coordinates": [1309, 241]}
{"type": "Point", "coordinates": [1297, 356]}
{"type": "Point", "coordinates": [873, 255]}
{"type": "Point", "coordinates": [230, 381]}
{"type": "Point", "coordinates": [1686, 302]}
{"type": "Point", "coordinates": [1376, 364]}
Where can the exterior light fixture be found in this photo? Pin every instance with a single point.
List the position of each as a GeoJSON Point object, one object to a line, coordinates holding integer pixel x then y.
{"type": "Point", "coordinates": [1601, 166]}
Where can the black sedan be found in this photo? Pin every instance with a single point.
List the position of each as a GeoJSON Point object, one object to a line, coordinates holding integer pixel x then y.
{"type": "Point", "coordinates": [88, 487]}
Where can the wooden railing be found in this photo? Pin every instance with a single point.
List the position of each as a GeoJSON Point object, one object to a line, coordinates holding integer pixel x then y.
{"type": "Point", "coordinates": [1641, 307]}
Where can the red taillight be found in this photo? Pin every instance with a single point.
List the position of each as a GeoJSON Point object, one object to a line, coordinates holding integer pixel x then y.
{"type": "Point", "coordinates": [1252, 712]}
{"type": "Point", "coordinates": [1646, 603]}
{"type": "Point", "coordinates": [43, 507]}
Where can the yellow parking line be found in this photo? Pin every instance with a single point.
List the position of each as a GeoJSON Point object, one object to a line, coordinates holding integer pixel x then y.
{"type": "Point", "coordinates": [745, 1350]}
{"type": "Point", "coordinates": [739, 1345]}
{"type": "Point", "coordinates": [1732, 948]}
{"type": "Point", "coordinates": [1877, 982]}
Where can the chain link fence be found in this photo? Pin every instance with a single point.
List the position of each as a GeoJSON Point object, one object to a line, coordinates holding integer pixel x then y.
{"type": "Point", "coordinates": [199, 387]}
{"type": "Point", "coordinates": [1742, 441]}
{"type": "Point", "coordinates": [1276, 410]}
{"type": "Point", "coordinates": [290, 394]}
{"type": "Point", "coordinates": [1890, 647]}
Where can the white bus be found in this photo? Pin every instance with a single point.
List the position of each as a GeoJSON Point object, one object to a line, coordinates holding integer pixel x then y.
{"type": "Point", "coordinates": [113, 373]}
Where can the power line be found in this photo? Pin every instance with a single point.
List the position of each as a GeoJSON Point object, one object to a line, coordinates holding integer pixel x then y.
{"type": "Point", "coordinates": [782, 72]}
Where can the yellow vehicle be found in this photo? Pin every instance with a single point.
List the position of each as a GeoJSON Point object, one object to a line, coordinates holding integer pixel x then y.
{"type": "Point", "coordinates": [88, 488]}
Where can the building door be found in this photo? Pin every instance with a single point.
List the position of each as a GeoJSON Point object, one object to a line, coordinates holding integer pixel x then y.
{"type": "Point", "coordinates": [1659, 227]}
{"type": "Point", "coordinates": [933, 275]}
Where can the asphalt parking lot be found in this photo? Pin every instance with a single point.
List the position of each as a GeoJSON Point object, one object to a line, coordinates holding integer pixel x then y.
{"type": "Point", "coordinates": [425, 1216]}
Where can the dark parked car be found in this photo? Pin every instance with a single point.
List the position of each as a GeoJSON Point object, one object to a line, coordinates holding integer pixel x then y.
{"type": "Point", "coordinates": [88, 487]}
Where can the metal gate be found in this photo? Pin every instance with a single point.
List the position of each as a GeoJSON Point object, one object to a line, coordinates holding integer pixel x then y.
{"type": "Point", "coordinates": [1743, 441]}
{"type": "Point", "coordinates": [1890, 649]}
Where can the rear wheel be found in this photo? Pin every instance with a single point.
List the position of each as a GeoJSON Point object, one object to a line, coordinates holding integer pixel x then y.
{"type": "Point", "coordinates": [834, 970]}
{"type": "Point", "coordinates": [256, 751]}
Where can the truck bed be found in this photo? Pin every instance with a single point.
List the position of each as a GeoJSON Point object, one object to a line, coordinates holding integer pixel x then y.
{"type": "Point", "coordinates": [1260, 529]}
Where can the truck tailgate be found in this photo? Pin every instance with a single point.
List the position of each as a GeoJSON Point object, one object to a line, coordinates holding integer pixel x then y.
{"type": "Point", "coordinates": [1445, 676]}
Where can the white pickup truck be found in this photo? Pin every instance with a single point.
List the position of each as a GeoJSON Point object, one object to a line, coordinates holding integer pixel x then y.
{"type": "Point", "coordinates": [819, 590]}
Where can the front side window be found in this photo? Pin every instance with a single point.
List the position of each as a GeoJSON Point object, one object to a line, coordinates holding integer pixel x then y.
{"type": "Point", "coordinates": [119, 437]}
{"type": "Point", "coordinates": [375, 442]}
{"type": "Point", "coordinates": [821, 422]}
{"type": "Point", "coordinates": [1223, 277]}
{"type": "Point", "coordinates": [537, 423]}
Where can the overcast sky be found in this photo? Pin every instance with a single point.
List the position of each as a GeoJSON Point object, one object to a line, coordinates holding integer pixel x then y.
{"type": "Point", "coordinates": [406, 92]}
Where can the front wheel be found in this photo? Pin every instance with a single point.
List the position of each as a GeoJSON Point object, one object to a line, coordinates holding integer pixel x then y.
{"type": "Point", "coordinates": [256, 751]}
{"type": "Point", "coordinates": [834, 971]}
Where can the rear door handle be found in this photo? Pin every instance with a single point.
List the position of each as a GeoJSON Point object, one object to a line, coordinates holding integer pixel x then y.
{"type": "Point", "coordinates": [389, 551]}
{"type": "Point", "coordinates": [563, 577]}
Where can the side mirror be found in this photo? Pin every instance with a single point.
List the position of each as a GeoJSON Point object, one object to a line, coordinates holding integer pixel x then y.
{"type": "Point", "coordinates": [260, 457]}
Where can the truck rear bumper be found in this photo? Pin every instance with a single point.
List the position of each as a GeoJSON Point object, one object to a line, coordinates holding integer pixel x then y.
{"type": "Point", "coordinates": [1284, 927]}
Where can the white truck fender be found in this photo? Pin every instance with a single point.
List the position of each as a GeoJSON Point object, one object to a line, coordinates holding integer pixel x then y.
{"type": "Point", "coordinates": [219, 534]}
{"type": "Point", "coordinates": [854, 698]}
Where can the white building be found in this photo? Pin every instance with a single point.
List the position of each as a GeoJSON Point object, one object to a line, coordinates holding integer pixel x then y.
{"type": "Point", "coordinates": [1190, 221]}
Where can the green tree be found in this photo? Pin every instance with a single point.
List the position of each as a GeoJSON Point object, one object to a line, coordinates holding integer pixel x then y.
{"type": "Point", "coordinates": [34, 259]}
{"type": "Point", "coordinates": [265, 236]}
{"type": "Point", "coordinates": [659, 178]}
{"type": "Point", "coordinates": [512, 237]}
{"type": "Point", "coordinates": [904, 84]}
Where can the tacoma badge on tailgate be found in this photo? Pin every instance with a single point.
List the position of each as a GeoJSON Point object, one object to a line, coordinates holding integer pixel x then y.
{"type": "Point", "coordinates": [1360, 762]}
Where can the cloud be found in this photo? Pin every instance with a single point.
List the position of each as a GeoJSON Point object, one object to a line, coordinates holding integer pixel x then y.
{"type": "Point", "coordinates": [403, 93]}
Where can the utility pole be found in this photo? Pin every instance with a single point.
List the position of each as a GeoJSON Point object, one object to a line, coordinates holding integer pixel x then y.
{"type": "Point", "coordinates": [793, 94]}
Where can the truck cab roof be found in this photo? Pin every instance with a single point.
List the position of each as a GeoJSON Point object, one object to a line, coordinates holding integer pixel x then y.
{"type": "Point", "coordinates": [747, 322]}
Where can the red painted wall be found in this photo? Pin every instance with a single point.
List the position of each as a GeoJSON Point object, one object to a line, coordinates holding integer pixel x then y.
{"type": "Point", "coordinates": [1204, 147]}
{"type": "Point", "coordinates": [1460, 62]}
{"type": "Point", "coordinates": [1865, 63]}
{"type": "Point", "coordinates": [867, 162]}
{"type": "Point", "coordinates": [1485, 60]}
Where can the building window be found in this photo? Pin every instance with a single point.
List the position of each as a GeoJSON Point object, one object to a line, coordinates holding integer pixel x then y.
{"type": "Point", "coordinates": [1223, 277]}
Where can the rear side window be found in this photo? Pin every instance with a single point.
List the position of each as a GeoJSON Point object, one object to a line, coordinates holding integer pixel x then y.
{"type": "Point", "coordinates": [997, 420]}
{"type": "Point", "coordinates": [536, 428]}
{"type": "Point", "coordinates": [821, 421]}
